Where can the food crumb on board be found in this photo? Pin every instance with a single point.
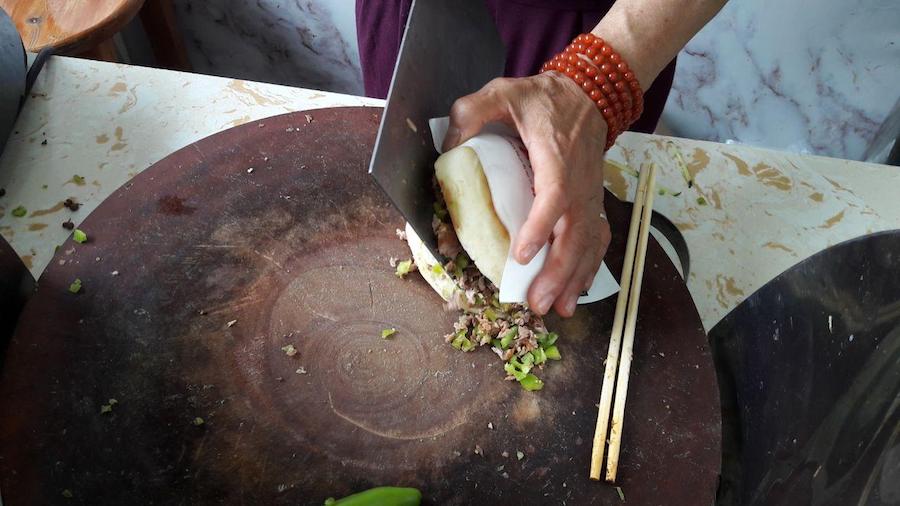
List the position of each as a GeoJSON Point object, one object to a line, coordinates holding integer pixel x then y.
{"type": "Point", "coordinates": [114, 273]}
{"type": "Point", "coordinates": [97, 259]}
{"type": "Point", "coordinates": [490, 426]}
{"type": "Point", "coordinates": [401, 234]}
{"type": "Point", "coordinates": [505, 454]}
{"type": "Point", "coordinates": [411, 125]}
{"type": "Point", "coordinates": [79, 236]}
{"type": "Point", "coordinates": [404, 268]}
{"type": "Point", "coordinates": [393, 262]}
{"type": "Point", "coordinates": [231, 323]}
{"type": "Point", "coordinates": [289, 350]}
{"type": "Point", "coordinates": [107, 408]}
{"type": "Point", "coordinates": [19, 211]}
{"type": "Point", "coordinates": [75, 287]}
{"type": "Point", "coordinates": [71, 205]}
{"type": "Point", "coordinates": [520, 455]}
{"type": "Point", "coordinates": [505, 475]}
{"type": "Point", "coordinates": [386, 333]}
{"type": "Point", "coordinates": [308, 118]}
{"type": "Point", "coordinates": [301, 370]}
{"type": "Point", "coordinates": [198, 421]}
{"type": "Point", "coordinates": [478, 450]}
{"type": "Point", "coordinates": [68, 224]}
{"type": "Point", "coordinates": [67, 493]}
{"type": "Point", "coordinates": [621, 494]}
{"type": "Point", "coordinates": [250, 170]}
{"type": "Point", "coordinates": [500, 468]}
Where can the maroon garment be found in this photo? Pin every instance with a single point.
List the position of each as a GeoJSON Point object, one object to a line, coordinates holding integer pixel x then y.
{"type": "Point", "coordinates": [533, 31]}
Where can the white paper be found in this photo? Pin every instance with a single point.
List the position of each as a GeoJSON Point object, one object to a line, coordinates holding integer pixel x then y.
{"type": "Point", "coordinates": [511, 182]}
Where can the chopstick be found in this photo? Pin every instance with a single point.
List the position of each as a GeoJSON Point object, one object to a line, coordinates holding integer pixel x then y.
{"type": "Point", "coordinates": [627, 302]}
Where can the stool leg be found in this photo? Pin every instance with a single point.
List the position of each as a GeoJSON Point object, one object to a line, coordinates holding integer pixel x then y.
{"type": "Point", "coordinates": [104, 51]}
{"type": "Point", "coordinates": [158, 19]}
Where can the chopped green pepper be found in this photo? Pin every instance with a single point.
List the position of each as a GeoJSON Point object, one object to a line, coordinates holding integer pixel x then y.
{"type": "Point", "coordinates": [531, 383]}
{"type": "Point", "coordinates": [403, 268]}
{"type": "Point", "coordinates": [508, 338]}
{"type": "Point", "coordinates": [75, 287]}
{"type": "Point", "coordinates": [540, 356]}
{"type": "Point", "coordinates": [547, 339]}
{"type": "Point", "coordinates": [79, 236]}
{"type": "Point", "coordinates": [552, 353]}
{"type": "Point", "coordinates": [198, 421]}
{"type": "Point", "coordinates": [461, 342]}
{"type": "Point", "coordinates": [514, 371]}
{"type": "Point", "coordinates": [701, 201]}
{"type": "Point", "coordinates": [386, 333]}
{"type": "Point", "coordinates": [495, 343]}
{"type": "Point", "coordinates": [19, 212]}
{"type": "Point", "coordinates": [437, 269]}
{"type": "Point", "coordinates": [440, 211]}
{"type": "Point", "coordinates": [490, 314]}
{"type": "Point", "coordinates": [528, 359]}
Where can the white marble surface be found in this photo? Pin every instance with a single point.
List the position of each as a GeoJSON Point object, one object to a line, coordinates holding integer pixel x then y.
{"type": "Point", "coordinates": [307, 43]}
{"type": "Point", "coordinates": [105, 123]}
{"type": "Point", "coordinates": [816, 76]}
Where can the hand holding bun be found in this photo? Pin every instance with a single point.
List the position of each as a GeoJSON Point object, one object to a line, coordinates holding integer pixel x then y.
{"type": "Point", "coordinates": [565, 136]}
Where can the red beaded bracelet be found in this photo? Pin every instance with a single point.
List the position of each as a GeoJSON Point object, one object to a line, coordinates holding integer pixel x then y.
{"type": "Point", "coordinates": [602, 73]}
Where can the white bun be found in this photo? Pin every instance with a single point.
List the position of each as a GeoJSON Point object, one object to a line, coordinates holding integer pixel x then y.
{"type": "Point", "coordinates": [468, 197]}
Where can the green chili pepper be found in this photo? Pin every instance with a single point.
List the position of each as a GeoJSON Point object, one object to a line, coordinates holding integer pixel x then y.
{"type": "Point", "coordinates": [514, 371]}
{"type": "Point", "coordinates": [528, 359]}
{"type": "Point", "coordinates": [531, 383]}
{"type": "Point", "coordinates": [552, 353]}
{"type": "Point", "coordinates": [508, 338]}
{"type": "Point", "coordinates": [540, 356]}
{"type": "Point", "coordinates": [548, 339]}
{"type": "Point", "coordinates": [380, 496]}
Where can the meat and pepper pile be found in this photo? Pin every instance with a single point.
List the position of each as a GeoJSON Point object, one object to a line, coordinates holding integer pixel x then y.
{"type": "Point", "coordinates": [514, 332]}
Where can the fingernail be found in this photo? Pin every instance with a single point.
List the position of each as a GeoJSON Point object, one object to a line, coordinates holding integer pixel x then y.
{"type": "Point", "coordinates": [544, 302]}
{"type": "Point", "coordinates": [570, 305]}
{"type": "Point", "coordinates": [526, 252]}
{"type": "Point", "coordinates": [451, 139]}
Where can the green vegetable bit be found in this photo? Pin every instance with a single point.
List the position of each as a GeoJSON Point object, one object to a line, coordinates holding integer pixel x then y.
{"type": "Point", "coordinates": [386, 333]}
{"type": "Point", "coordinates": [440, 211]}
{"type": "Point", "coordinates": [701, 201]}
{"type": "Point", "coordinates": [75, 287]}
{"type": "Point", "coordinates": [67, 494]}
{"type": "Point", "coordinates": [531, 383]}
{"type": "Point", "coordinates": [548, 339]}
{"type": "Point", "coordinates": [621, 494]}
{"type": "Point", "coordinates": [106, 408]}
{"type": "Point", "coordinates": [552, 353]}
{"type": "Point", "coordinates": [540, 356]}
{"type": "Point", "coordinates": [198, 421]}
{"type": "Point", "coordinates": [19, 212]}
{"type": "Point", "coordinates": [517, 369]}
{"type": "Point", "coordinates": [520, 455]}
{"type": "Point", "coordinates": [461, 342]}
{"type": "Point", "coordinates": [437, 269]}
{"type": "Point", "coordinates": [509, 337]}
{"type": "Point", "coordinates": [490, 314]}
{"type": "Point", "coordinates": [79, 236]}
{"type": "Point", "coordinates": [404, 268]}
{"type": "Point", "coordinates": [79, 180]}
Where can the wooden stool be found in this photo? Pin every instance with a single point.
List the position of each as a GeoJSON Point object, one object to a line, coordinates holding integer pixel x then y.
{"type": "Point", "coordinates": [86, 28]}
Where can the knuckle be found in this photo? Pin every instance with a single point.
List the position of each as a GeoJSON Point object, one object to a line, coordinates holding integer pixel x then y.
{"type": "Point", "coordinates": [461, 108]}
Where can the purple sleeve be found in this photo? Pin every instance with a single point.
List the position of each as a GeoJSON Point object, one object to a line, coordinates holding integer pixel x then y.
{"type": "Point", "coordinates": [533, 31]}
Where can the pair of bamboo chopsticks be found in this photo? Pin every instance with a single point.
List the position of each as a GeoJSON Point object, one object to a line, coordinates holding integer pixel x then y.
{"type": "Point", "coordinates": [625, 318]}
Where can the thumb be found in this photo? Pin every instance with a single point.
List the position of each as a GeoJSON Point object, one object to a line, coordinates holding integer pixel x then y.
{"type": "Point", "coordinates": [470, 113]}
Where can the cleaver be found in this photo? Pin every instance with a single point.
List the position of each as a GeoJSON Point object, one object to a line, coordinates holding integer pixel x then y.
{"type": "Point", "coordinates": [450, 48]}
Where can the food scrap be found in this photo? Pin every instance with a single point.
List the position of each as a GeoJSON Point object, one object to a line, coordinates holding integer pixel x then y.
{"type": "Point", "coordinates": [404, 267]}
{"type": "Point", "coordinates": [621, 494]}
{"type": "Point", "coordinates": [75, 287]}
{"type": "Point", "coordinates": [701, 201]}
{"type": "Point", "coordinates": [79, 236]}
{"type": "Point", "coordinates": [289, 350]}
{"type": "Point", "coordinates": [519, 455]}
{"type": "Point", "coordinates": [300, 370]}
{"type": "Point", "coordinates": [19, 211]}
{"type": "Point", "coordinates": [71, 205]}
{"type": "Point", "coordinates": [198, 421]}
{"type": "Point", "coordinates": [231, 323]}
{"type": "Point", "coordinates": [67, 494]}
{"type": "Point", "coordinates": [79, 180]}
{"type": "Point", "coordinates": [386, 333]}
{"type": "Point", "coordinates": [108, 407]}
{"type": "Point", "coordinates": [68, 225]}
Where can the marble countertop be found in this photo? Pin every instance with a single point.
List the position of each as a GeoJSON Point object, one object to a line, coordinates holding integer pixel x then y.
{"type": "Point", "coordinates": [747, 214]}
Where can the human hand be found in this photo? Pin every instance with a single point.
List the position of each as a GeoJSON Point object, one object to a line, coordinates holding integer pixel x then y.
{"type": "Point", "coordinates": [565, 135]}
